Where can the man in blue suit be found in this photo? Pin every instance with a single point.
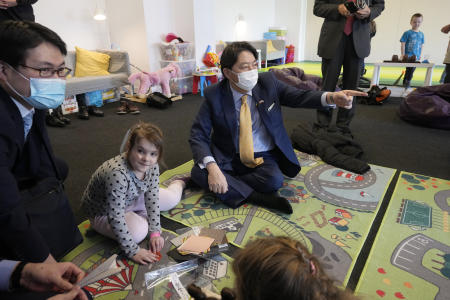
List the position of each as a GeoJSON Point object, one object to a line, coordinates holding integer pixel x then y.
{"type": "Point", "coordinates": [220, 163]}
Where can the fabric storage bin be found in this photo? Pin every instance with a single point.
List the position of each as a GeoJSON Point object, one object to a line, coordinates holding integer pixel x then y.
{"type": "Point", "coordinates": [178, 52]}
{"type": "Point", "coordinates": [186, 66]}
{"type": "Point", "coordinates": [181, 85]}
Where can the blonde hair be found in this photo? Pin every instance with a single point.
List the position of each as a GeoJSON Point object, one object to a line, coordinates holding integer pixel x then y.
{"type": "Point", "coordinates": [282, 268]}
{"type": "Point", "coordinates": [148, 131]}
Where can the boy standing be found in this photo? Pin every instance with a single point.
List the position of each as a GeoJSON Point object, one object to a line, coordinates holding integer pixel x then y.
{"type": "Point", "coordinates": [412, 43]}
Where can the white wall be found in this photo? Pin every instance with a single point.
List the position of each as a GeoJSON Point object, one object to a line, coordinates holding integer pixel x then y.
{"type": "Point", "coordinates": [292, 15]}
{"type": "Point", "coordinates": [73, 21]}
{"type": "Point", "coordinates": [162, 17]}
{"type": "Point", "coordinates": [215, 21]}
{"type": "Point", "coordinates": [391, 24]}
{"type": "Point", "coordinates": [130, 36]}
{"type": "Point", "coordinates": [139, 26]}
{"type": "Point", "coordinates": [395, 20]}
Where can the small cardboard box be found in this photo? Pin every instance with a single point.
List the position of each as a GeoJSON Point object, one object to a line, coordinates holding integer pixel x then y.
{"type": "Point", "coordinates": [69, 105]}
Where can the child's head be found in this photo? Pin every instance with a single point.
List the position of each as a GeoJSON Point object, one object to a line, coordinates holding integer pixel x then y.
{"type": "Point", "coordinates": [281, 268]}
{"type": "Point", "coordinates": [144, 138]}
{"type": "Point", "coordinates": [416, 21]}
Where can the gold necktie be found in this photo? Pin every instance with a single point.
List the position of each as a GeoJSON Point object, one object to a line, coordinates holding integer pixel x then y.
{"type": "Point", "coordinates": [246, 138]}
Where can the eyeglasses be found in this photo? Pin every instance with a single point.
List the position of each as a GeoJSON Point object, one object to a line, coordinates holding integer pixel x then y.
{"type": "Point", "coordinates": [48, 72]}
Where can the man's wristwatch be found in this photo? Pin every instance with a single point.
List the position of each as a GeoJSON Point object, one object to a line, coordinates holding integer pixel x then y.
{"type": "Point", "coordinates": [331, 98]}
{"type": "Point", "coordinates": [14, 280]}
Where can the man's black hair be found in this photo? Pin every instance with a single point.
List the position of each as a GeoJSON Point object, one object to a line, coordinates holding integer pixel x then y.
{"type": "Point", "coordinates": [17, 37]}
{"type": "Point", "coordinates": [231, 52]}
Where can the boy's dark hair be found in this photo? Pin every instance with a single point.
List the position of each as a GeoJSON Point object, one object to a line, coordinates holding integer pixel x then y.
{"type": "Point", "coordinates": [416, 15]}
{"type": "Point", "coordinates": [231, 52]}
{"type": "Point", "coordinates": [17, 37]}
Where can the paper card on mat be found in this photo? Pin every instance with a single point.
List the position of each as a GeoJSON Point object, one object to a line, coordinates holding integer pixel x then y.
{"type": "Point", "coordinates": [217, 234]}
{"type": "Point", "coordinates": [196, 244]}
{"type": "Point", "coordinates": [181, 238]}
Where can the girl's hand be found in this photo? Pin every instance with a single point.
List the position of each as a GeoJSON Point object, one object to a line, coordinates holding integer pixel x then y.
{"type": "Point", "coordinates": [156, 244]}
{"type": "Point", "coordinates": [144, 256]}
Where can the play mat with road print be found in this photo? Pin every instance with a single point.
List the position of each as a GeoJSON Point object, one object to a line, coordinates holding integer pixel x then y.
{"type": "Point", "coordinates": [410, 258]}
{"type": "Point", "coordinates": [333, 211]}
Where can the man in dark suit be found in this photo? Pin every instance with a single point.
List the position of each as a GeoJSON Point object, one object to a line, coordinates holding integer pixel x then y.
{"type": "Point", "coordinates": [18, 10]}
{"type": "Point", "coordinates": [32, 78]}
{"type": "Point", "coordinates": [241, 165]}
{"type": "Point", "coordinates": [344, 42]}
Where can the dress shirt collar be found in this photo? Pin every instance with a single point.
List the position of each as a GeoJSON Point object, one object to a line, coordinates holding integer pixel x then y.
{"type": "Point", "coordinates": [22, 109]}
{"type": "Point", "coordinates": [238, 95]}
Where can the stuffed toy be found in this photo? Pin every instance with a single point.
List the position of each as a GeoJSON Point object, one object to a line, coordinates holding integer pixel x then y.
{"type": "Point", "coordinates": [161, 77]}
{"type": "Point", "coordinates": [173, 38]}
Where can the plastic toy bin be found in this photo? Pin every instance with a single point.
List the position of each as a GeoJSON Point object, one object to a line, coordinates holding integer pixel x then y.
{"type": "Point", "coordinates": [178, 52]}
{"type": "Point", "coordinates": [186, 66]}
{"type": "Point", "coordinates": [181, 85]}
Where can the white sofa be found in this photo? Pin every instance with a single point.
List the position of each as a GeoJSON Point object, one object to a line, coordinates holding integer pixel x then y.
{"type": "Point", "coordinates": [119, 69]}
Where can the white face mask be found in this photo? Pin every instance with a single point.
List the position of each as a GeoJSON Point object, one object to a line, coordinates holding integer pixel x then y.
{"type": "Point", "coordinates": [247, 80]}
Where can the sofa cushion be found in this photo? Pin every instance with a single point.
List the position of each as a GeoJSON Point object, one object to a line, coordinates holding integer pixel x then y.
{"type": "Point", "coordinates": [119, 62]}
{"type": "Point", "coordinates": [79, 85]}
{"type": "Point", "coordinates": [91, 63]}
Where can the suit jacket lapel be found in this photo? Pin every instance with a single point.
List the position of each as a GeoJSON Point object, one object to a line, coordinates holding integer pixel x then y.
{"type": "Point", "coordinates": [229, 111]}
{"type": "Point", "coordinates": [262, 102]}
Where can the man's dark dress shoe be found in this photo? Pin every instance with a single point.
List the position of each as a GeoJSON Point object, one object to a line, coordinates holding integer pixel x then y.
{"type": "Point", "coordinates": [52, 121]}
{"type": "Point", "coordinates": [92, 110]}
{"type": "Point", "coordinates": [83, 113]}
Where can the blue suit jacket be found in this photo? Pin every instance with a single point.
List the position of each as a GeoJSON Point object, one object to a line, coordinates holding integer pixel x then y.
{"type": "Point", "coordinates": [215, 130]}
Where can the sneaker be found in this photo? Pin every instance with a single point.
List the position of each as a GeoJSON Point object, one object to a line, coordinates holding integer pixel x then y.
{"type": "Point", "coordinates": [122, 109]}
{"type": "Point", "coordinates": [407, 92]}
{"type": "Point", "coordinates": [95, 111]}
{"type": "Point", "coordinates": [132, 108]}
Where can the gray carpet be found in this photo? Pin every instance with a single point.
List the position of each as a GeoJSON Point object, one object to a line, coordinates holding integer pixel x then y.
{"type": "Point", "coordinates": [386, 139]}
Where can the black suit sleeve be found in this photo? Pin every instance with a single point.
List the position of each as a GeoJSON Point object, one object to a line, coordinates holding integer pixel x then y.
{"type": "Point", "coordinates": [376, 7]}
{"type": "Point", "coordinates": [19, 239]}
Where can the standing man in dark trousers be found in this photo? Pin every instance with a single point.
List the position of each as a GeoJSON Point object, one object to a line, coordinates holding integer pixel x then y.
{"type": "Point", "coordinates": [18, 10]}
{"type": "Point", "coordinates": [446, 29]}
{"type": "Point", "coordinates": [344, 42]}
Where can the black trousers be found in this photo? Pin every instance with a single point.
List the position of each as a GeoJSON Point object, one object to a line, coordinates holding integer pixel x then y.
{"type": "Point", "coordinates": [447, 73]}
{"type": "Point", "coordinates": [345, 57]}
{"type": "Point", "coordinates": [408, 75]}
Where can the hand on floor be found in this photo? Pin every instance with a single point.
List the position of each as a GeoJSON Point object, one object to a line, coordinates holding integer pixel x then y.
{"type": "Point", "coordinates": [144, 257]}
